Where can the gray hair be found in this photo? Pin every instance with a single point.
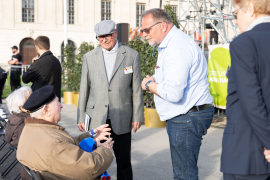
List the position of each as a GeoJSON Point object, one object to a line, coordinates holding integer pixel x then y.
{"type": "Point", "coordinates": [37, 113]}
{"type": "Point", "coordinates": [17, 98]}
{"type": "Point", "coordinates": [158, 15]}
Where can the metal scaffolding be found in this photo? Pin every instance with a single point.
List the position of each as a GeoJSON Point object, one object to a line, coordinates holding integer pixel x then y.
{"type": "Point", "coordinates": [194, 15]}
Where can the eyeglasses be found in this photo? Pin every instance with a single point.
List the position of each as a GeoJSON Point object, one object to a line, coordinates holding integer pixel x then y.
{"type": "Point", "coordinates": [107, 37]}
{"type": "Point", "coordinates": [147, 30]}
{"type": "Point", "coordinates": [235, 14]}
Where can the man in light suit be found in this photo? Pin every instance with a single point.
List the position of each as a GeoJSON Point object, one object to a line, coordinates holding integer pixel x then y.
{"type": "Point", "coordinates": [111, 93]}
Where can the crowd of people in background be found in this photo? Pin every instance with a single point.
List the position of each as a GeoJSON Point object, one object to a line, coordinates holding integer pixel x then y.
{"type": "Point", "coordinates": [111, 96]}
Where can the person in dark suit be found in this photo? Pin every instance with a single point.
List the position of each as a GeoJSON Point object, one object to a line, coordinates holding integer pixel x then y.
{"type": "Point", "coordinates": [45, 68]}
{"type": "Point", "coordinates": [247, 133]}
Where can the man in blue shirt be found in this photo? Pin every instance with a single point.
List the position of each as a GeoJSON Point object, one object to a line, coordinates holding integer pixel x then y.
{"type": "Point", "coordinates": [180, 86]}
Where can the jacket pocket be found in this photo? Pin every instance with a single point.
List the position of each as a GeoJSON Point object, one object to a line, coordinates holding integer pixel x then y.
{"type": "Point", "coordinates": [229, 129]}
{"type": "Point", "coordinates": [90, 104]}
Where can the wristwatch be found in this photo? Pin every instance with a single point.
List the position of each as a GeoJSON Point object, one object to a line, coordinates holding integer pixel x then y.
{"type": "Point", "coordinates": [147, 85]}
{"type": "Point", "coordinates": [92, 133]}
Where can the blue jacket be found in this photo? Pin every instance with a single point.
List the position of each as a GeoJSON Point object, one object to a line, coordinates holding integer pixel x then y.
{"type": "Point", "coordinates": [248, 104]}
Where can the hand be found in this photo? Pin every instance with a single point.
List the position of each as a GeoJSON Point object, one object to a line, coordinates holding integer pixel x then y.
{"type": "Point", "coordinates": [81, 126]}
{"type": "Point", "coordinates": [35, 58]}
{"type": "Point", "coordinates": [145, 80]}
{"type": "Point", "coordinates": [15, 61]}
{"type": "Point", "coordinates": [267, 154]}
{"type": "Point", "coordinates": [136, 126]}
{"type": "Point", "coordinates": [150, 78]}
{"type": "Point", "coordinates": [102, 132]}
{"type": "Point", "coordinates": [108, 144]}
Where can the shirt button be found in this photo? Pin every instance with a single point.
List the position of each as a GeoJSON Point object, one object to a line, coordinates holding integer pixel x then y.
{"type": "Point", "coordinates": [109, 90]}
{"type": "Point", "coordinates": [106, 106]}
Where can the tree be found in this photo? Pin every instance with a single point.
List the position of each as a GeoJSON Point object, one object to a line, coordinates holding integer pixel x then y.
{"type": "Point", "coordinates": [72, 66]}
{"type": "Point", "coordinates": [67, 68]}
{"type": "Point", "coordinates": [83, 49]}
{"type": "Point", "coordinates": [169, 10]}
{"type": "Point", "coordinates": [148, 61]}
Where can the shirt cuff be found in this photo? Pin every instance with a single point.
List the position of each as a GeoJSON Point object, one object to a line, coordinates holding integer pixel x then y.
{"type": "Point", "coordinates": [160, 91]}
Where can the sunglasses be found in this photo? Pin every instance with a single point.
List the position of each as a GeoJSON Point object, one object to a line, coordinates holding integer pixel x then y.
{"type": "Point", "coordinates": [147, 30]}
{"type": "Point", "coordinates": [107, 37]}
{"type": "Point", "coordinates": [235, 14]}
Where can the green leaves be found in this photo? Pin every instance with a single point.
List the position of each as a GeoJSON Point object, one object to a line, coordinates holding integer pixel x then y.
{"type": "Point", "coordinates": [67, 68]}
{"type": "Point", "coordinates": [148, 61]}
{"type": "Point", "coordinates": [169, 10]}
{"type": "Point", "coordinates": [72, 66]}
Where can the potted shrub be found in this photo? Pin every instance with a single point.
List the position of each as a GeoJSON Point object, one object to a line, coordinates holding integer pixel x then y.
{"type": "Point", "coordinates": [67, 74]}
{"type": "Point", "coordinates": [77, 70]}
{"type": "Point", "coordinates": [148, 61]}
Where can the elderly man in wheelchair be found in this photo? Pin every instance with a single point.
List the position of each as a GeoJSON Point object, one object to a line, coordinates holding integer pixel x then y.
{"type": "Point", "coordinates": [47, 148]}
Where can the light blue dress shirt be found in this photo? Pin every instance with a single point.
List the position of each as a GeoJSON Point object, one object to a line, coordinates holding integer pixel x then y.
{"type": "Point", "coordinates": [181, 72]}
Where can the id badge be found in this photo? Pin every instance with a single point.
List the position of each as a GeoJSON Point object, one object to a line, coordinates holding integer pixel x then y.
{"type": "Point", "coordinates": [128, 70]}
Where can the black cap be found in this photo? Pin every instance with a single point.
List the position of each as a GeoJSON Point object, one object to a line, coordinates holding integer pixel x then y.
{"type": "Point", "coordinates": [14, 47]}
{"type": "Point", "coordinates": [39, 98]}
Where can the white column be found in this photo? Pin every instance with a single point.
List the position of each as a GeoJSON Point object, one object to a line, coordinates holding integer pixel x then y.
{"type": "Point", "coordinates": [178, 13]}
{"type": "Point", "coordinates": [65, 23]}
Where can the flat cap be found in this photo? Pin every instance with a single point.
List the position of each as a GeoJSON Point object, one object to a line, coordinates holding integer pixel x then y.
{"type": "Point", "coordinates": [104, 27]}
{"type": "Point", "coordinates": [39, 98]}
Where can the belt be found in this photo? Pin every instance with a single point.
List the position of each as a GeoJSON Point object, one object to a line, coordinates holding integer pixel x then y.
{"type": "Point", "coordinates": [199, 108]}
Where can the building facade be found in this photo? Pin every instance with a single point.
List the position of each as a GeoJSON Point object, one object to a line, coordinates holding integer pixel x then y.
{"type": "Point", "coordinates": [21, 21]}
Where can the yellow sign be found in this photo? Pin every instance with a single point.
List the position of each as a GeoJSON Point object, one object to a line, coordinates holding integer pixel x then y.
{"type": "Point", "coordinates": [219, 61]}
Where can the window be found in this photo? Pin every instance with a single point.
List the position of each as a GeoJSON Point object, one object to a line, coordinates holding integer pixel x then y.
{"type": "Point", "coordinates": [174, 8]}
{"type": "Point", "coordinates": [70, 11]}
{"type": "Point", "coordinates": [105, 10]}
{"type": "Point", "coordinates": [28, 11]}
{"type": "Point", "coordinates": [139, 11]}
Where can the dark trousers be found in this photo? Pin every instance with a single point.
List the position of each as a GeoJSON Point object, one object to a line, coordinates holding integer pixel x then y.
{"type": "Point", "coordinates": [15, 80]}
{"type": "Point", "coordinates": [246, 177]}
{"type": "Point", "coordinates": [122, 151]}
{"type": "Point", "coordinates": [2, 84]}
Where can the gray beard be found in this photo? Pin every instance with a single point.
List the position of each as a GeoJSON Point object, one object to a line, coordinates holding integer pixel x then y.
{"type": "Point", "coordinates": [153, 44]}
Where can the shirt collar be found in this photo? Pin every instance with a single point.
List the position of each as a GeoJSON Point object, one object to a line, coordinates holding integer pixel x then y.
{"type": "Point", "coordinates": [265, 19]}
{"type": "Point", "coordinates": [44, 54]}
{"type": "Point", "coordinates": [166, 40]}
{"type": "Point", "coordinates": [113, 50]}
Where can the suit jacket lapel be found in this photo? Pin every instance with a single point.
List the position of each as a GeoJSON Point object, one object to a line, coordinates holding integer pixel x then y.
{"type": "Point", "coordinates": [119, 59]}
{"type": "Point", "coordinates": [100, 64]}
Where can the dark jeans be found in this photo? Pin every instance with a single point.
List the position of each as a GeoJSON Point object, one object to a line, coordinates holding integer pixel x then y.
{"type": "Point", "coordinates": [122, 151]}
{"type": "Point", "coordinates": [185, 135]}
{"type": "Point", "coordinates": [246, 177]}
{"type": "Point", "coordinates": [15, 80]}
